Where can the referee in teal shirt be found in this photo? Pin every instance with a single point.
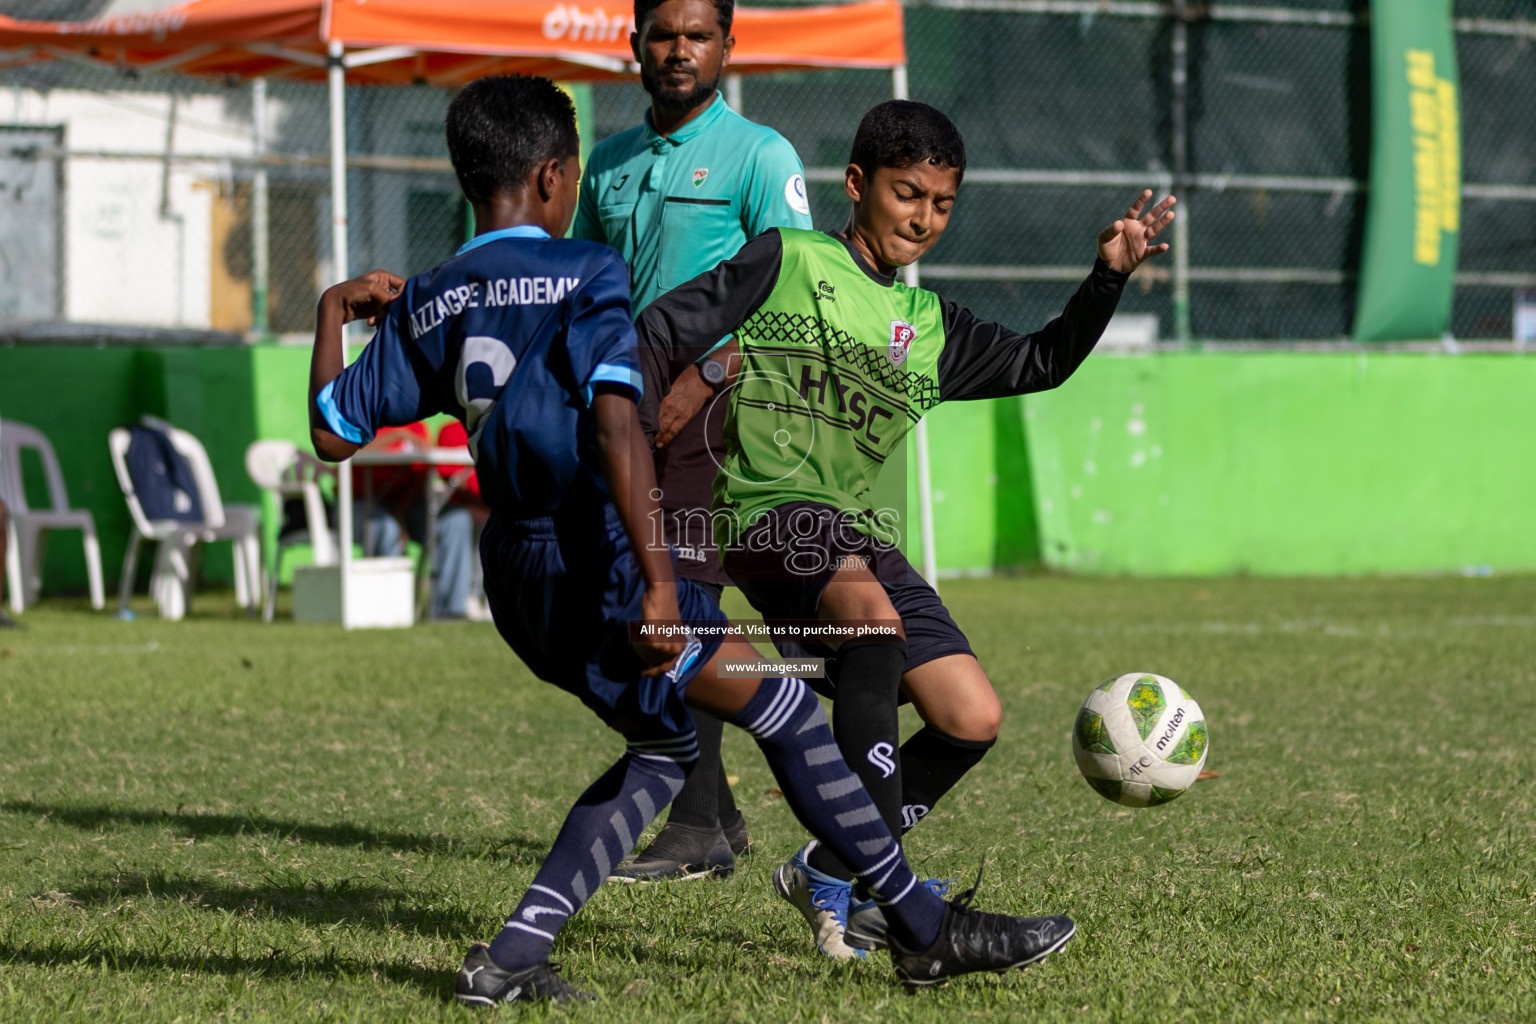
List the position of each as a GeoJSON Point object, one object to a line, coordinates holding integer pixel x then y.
{"type": "Point", "coordinates": [689, 185]}
{"type": "Point", "coordinates": [677, 194]}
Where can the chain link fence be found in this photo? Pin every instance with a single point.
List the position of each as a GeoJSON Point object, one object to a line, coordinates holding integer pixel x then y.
{"type": "Point", "coordinates": [1256, 114]}
{"type": "Point", "coordinates": [138, 201]}
{"type": "Point", "coordinates": [164, 201]}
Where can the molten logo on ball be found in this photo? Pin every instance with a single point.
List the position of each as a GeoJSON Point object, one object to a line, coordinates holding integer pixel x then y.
{"type": "Point", "coordinates": [1112, 740]}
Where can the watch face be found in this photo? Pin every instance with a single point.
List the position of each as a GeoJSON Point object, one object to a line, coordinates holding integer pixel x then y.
{"type": "Point", "coordinates": [712, 372]}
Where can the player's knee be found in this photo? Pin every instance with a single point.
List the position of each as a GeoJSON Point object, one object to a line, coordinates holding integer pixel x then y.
{"type": "Point", "coordinates": [858, 603]}
{"type": "Point", "coordinates": [852, 605]}
{"type": "Point", "coordinates": [976, 719]}
{"type": "Point", "coordinates": [985, 723]}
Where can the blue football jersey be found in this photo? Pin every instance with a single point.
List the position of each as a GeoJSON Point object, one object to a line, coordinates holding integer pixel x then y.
{"type": "Point", "coordinates": [510, 336]}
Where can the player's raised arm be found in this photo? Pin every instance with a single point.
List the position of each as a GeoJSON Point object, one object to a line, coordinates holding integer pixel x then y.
{"type": "Point", "coordinates": [984, 359]}
{"type": "Point", "coordinates": [367, 296]}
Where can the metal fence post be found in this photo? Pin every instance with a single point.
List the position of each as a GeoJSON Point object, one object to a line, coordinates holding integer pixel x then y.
{"type": "Point", "coordinates": [1180, 146]}
{"type": "Point", "coordinates": [336, 75]}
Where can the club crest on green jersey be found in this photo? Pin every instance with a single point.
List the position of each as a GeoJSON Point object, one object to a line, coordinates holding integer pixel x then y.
{"type": "Point", "coordinates": [903, 335]}
{"type": "Point", "coordinates": [699, 174]}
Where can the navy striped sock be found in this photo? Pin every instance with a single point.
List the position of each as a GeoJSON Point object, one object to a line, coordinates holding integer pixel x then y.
{"type": "Point", "coordinates": [830, 801]}
{"type": "Point", "coordinates": [600, 830]}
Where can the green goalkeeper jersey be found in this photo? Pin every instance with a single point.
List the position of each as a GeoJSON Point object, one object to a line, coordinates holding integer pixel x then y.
{"type": "Point", "coordinates": [838, 362]}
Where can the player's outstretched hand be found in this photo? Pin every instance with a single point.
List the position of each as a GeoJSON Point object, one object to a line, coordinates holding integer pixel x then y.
{"type": "Point", "coordinates": [366, 296]}
{"type": "Point", "coordinates": [1125, 244]}
{"type": "Point", "coordinates": [658, 608]}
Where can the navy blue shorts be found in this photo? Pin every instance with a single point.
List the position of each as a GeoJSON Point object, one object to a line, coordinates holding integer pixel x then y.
{"type": "Point", "coordinates": [563, 592]}
{"type": "Point", "coordinates": [786, 558]}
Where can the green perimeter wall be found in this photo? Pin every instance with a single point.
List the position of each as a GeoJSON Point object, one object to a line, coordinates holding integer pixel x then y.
{"type": "Point", "coordinates": [983, 505]}
{"type": "Point", "coordinates": [227, 397]}
{"type": "Point", "coordinates": [1290, 463]}
{"type": "Point", "coordinates": [1174, 464]}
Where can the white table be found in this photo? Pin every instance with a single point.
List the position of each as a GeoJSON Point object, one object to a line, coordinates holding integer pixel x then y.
{"type": "Point", "coordinates": [439, 490]}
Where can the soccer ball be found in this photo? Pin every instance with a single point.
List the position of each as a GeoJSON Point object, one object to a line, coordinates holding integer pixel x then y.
{"type": "Point", "coordinates": [1140, 740]}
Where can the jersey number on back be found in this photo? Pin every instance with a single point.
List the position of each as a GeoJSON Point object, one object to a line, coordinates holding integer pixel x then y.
{"type": "Point", "coordinates": [485, 363]}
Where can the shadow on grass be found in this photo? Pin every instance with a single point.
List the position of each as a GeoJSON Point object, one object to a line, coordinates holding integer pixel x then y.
{"type": "Point", "coordinates": [322, 904]}
{"type": "Point", "coordinates": [275, 963]}
{"type": "Point", "coordinates": [512, 849]}
{"type": "Point", "coordinates": [385, 908]}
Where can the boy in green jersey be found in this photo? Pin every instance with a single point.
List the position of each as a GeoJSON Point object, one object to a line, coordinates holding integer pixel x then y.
{"type": "Point", "coordinates": [837, 361]}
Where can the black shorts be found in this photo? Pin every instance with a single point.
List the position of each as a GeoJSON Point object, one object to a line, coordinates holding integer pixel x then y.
{"type": "Point", "coordinates": [786, 558]}
{"type": "Point", "coordinates": [714, 590]}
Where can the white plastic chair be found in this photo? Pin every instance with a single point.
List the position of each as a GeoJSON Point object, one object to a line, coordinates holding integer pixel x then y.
{"type": "Point", "coordinates": [171, 582]}
{"type": "Point", "coordinates": [279, 467]}
{"type": "Point", "coordinates": [24, 548]}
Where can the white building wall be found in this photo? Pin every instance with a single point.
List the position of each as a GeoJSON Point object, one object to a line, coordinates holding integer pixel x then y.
{"type": "Point", "coordinates": [137, 230]}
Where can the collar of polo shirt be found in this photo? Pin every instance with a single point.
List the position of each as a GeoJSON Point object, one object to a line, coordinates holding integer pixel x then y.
{"type": "Point", "coordinates": [712, 113]}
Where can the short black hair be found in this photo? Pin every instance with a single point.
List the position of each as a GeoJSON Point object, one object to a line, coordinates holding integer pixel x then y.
{"type": "Point", "coordinates": [900, 133]}
{"type": "Point", "coordinates": [500, 128]}
{"type": "Point", "coordinates": [725, 13]}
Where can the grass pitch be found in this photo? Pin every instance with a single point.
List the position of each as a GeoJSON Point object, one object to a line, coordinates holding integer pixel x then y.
{"type": "Point", "coordinates": [217, 820]}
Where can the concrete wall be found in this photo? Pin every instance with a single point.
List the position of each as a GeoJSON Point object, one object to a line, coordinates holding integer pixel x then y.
{"type": "Point", "coordinates": [136, 234]}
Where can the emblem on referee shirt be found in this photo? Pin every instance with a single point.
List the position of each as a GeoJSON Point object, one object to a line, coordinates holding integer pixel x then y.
{"type": "Point", "coordinates": [699, 174]}
{"type": "Point", "coordinates": [903, 335]}
{"type": "Point", "coordinates": [794, 194]}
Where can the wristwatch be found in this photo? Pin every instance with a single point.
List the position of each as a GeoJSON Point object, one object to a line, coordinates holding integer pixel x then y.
{"type": "Point", "coordinates": [713, 372]}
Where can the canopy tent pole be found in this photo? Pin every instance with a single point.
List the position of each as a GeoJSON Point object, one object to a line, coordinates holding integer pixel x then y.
{"type": "Point", "coordinates": [924, 475]}
{"type": "Point", "coordinates": [261, 322]}
{"type": "Point", "coordinates": [336, 74]}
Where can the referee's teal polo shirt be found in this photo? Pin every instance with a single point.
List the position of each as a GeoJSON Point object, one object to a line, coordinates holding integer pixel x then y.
{"type": "Point", "coordinates": [676, 205]}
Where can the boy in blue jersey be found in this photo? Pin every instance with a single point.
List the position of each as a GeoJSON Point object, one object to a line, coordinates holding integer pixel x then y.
{"type": "Point", "coordinates": [527, 339]}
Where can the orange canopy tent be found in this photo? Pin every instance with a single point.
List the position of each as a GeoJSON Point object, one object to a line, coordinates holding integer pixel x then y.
{"type": "Point", "coordinates": [441, 42]}
{"type": "Point", "coordinates": [445, 42]}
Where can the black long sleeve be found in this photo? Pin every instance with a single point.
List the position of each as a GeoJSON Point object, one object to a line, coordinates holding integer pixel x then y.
{"type": "Point", "coordinates": [688, 321]}
{"type": "Point", "coordinates": [691, 319]}
{"type": "Point", "coordinates": [983, 359]}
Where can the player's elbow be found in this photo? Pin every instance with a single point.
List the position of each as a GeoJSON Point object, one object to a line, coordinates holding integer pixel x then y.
{"type": "Point", "coordinates": [328, 447]}
{"type": "Point", "coordinates": [1053, 372]}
